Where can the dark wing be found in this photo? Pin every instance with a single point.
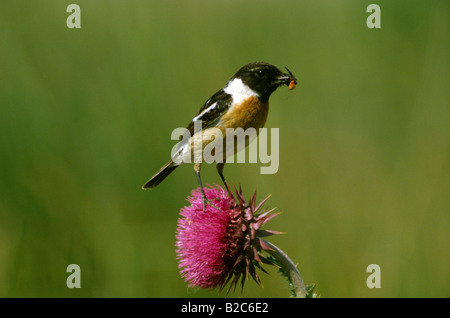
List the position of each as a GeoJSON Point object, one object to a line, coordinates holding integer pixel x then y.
{"type": "Point", "coordinates": [211, 111]}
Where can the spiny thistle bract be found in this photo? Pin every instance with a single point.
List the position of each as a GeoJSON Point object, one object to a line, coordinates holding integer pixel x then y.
{"type": "Point", "coordinates": [220, 246]}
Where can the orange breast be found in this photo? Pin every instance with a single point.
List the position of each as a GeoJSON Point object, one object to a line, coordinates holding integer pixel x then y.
{"type": "Point", "coordinates": [251, 113]}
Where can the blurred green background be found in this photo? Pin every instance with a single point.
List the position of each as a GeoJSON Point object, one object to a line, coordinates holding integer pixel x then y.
{"type": "Point", "coordinates": [86, 117]}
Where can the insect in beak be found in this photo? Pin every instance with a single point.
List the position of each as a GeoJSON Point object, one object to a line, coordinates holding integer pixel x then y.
{"type": "Point", "coordinates": [292, 80]}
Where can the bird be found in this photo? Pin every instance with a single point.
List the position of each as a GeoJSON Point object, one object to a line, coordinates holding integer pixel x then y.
{"type": "Point", "coordinates": [242, 103]}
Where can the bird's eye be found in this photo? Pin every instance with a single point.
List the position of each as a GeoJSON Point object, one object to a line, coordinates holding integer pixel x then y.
{"type": "Point", "coordinates": [260, 73]}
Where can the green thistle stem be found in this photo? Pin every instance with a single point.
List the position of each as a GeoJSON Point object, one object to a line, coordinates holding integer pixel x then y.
{"type": "Point", "coordinates": [289, 269]}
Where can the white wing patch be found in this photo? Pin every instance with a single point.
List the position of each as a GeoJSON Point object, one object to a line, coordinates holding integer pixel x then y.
{"type": "Point", "coordinates": [204, 112]}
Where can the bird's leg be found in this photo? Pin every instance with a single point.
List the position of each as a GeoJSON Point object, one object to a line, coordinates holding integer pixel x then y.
{"type": "Point", "coordinates": [199, 180]}
{"type": "Point", "coordinates": [219, 167]}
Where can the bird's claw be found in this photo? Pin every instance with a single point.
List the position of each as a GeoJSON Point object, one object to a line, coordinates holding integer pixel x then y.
{"type": "Point", "coordinates": [206, 201]}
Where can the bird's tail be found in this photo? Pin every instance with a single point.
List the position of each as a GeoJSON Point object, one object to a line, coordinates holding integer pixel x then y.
{"type": "Point", "coordinates": [160, 175]}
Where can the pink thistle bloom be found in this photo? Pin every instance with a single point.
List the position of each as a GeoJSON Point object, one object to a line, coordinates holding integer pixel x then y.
{"type": "Point", "coordinates": [217, 246]}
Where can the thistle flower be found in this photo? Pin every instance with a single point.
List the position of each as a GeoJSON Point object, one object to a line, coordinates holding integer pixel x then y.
{"type": "Point", "coordinates": [218, 246]}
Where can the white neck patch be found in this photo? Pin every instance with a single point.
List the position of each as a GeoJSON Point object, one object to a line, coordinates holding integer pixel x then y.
{"type": "Point", "coordinates": [239, 91]}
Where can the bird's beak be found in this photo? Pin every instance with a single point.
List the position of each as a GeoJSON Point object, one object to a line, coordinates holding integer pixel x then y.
{"type": "Point", "coordinates": [287, 79]}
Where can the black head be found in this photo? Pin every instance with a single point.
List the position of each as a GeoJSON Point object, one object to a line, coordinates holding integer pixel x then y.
{"type": "Point", "coordinates": [264, 78]}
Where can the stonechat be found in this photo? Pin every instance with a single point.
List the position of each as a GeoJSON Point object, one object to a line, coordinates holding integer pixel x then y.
{"type": "Point", "coordinates": [242, 103]}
